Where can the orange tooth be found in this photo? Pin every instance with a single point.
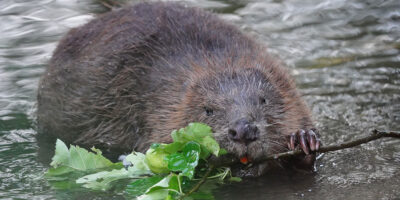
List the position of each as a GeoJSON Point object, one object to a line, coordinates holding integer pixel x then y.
{"type": "Point", "coordinates": [244, 160]}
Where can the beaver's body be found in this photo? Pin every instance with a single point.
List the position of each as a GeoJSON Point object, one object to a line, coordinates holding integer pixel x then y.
{"type": "Point", "coordinates": [129, 77]}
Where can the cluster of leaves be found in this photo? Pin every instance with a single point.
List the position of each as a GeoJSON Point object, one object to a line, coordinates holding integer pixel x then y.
{"type": "Point", "coordinates": [167, 171]}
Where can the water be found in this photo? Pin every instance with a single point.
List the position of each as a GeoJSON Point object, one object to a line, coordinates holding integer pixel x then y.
{"type": "Point", "coordinates": [344, 55]}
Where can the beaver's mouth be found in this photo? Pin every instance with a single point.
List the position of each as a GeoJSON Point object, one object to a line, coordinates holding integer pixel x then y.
{"type": "Point", "coordinates": [247, 153]}
{"type": "Point", "coordinates": [249, 170]}
{"type": "Point", "coordinates": [246, 167]}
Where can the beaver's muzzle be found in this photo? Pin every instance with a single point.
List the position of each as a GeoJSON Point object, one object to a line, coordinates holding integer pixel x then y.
{"type": "Point", "coordinates": [242, 131]}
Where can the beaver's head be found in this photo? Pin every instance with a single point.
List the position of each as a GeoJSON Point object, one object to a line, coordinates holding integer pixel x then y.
{"type": "Point", "coordinates": [245, 110]}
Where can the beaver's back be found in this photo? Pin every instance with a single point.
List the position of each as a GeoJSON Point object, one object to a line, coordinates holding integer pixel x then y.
{"type": "Point", "coordinates": [149, 31]}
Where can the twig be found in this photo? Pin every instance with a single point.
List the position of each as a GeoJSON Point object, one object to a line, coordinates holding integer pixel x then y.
{"type": "Point", "coordinates": [202, 180]}
{"type": "Point", "coordinates": [373, 136]}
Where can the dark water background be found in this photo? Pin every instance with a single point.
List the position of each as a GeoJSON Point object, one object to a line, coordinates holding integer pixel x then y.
{"type": "Point", "coordinates": [344, 55]}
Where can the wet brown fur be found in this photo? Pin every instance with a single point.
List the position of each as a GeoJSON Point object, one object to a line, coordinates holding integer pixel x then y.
{"type": "Point", "coordinates": [131, 76]}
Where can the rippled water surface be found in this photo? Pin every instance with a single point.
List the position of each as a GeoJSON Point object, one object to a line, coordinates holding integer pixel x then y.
{"type": "Point", "coordinates": [343, 54]}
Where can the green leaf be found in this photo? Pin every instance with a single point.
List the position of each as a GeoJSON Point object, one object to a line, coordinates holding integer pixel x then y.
{"type": "Point", "coordinates": [173, 182]}
{"type": "Point", "coordinates": [140, 186]}
{"type": "Point", "coordinates": [192, 132]}
{"type": "Point", "coordinates": [78, 158]}
{"type": "Point", "coordinates": [156, 191]}
{"type": "Point", "coordinates": [198, 130]}
{"type": "Point", "coordinates": [176, 136]}
{"type": "Point", "coordinates": [138, 161]}
{"type": "Point", "coordinates": [61, 154]}
{"type": "Point", "coordinates": [200, 133]}
{"type": "Point", "coordinates": [210, 144]}
{"type": "Point", "coordinates": [167, 148]}
{"type": "Point", "coordinates": [163, 184]}
{"type": "Point", "coordinates": [173, 147]}
{"type": "Point", "coordinates": [70, 164]}
{"type": "Point", "coordinates": [176, 162]}
{"type": "Point", "coordinates": [103, 180]}
{"type": "Point", "coordinates": [185, 161]}
{"type": "Point", "coordinates": [156, 195]}
{"type": "Point", "coordinates": [155, 161]}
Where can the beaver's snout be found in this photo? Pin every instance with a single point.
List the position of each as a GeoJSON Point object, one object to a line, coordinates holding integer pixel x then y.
{"type": "Point", "coordinates": [243, 131]}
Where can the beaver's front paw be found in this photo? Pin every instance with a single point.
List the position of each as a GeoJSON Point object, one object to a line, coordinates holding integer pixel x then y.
{"type": "Point", "coordinates": [308, 141]}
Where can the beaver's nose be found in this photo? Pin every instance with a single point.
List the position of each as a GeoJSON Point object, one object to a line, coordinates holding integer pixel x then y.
{"type": "Point", "coordinates": [243, 131]}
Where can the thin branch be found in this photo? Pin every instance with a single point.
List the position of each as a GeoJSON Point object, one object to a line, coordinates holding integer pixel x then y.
{"type": "Point", "coordinates": [373, 136]}
{"type": "Point", "coordinates": [202, 180]}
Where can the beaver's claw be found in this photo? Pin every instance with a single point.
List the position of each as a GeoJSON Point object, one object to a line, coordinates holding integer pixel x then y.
{"type": "Point", "coordinates": [306, 140]}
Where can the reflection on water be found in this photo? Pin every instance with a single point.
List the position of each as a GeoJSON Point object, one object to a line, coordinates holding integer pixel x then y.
{"type": "Point", "coordinates": [343, 54]}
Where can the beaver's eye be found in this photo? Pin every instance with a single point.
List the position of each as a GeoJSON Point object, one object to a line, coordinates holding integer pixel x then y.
{"type": "Point", "coordinates": [209, 111]}
{"type": "Point", "coordinates": [262, 100]}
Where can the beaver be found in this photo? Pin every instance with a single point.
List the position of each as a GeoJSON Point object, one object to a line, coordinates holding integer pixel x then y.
{"type": "Point", "coordinates": [128, 78]}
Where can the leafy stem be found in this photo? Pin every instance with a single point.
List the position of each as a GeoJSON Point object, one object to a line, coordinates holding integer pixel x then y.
{"type": "Point", "coordinates": [180, 183]}
{"type": "Point", "coordinates": [178, 159]}
{"type": "Point", "coordinates": [221, 175]}
{"type": "Point", "coordinates": [201, 182]}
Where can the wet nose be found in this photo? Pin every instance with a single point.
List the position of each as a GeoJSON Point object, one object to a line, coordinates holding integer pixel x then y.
{"type": "Point", "coordinates": [243, 131]}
